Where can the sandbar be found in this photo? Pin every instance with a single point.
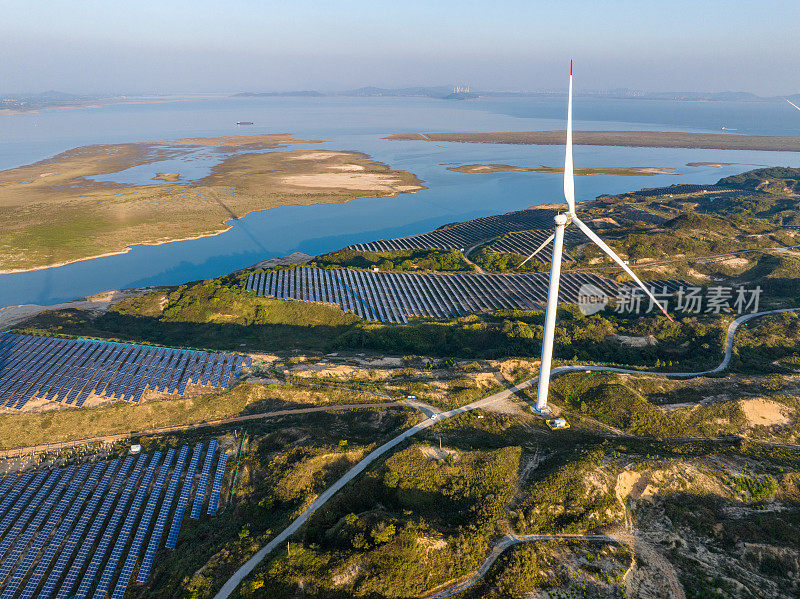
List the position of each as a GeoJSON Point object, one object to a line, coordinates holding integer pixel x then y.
{"type": "Point", "coordinates": [649, 139]}
{"type": "Point", "coordinates": [630, 171]}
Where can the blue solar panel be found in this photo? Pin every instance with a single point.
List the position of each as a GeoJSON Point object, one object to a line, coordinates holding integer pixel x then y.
{"type": "Point", "coordinates": [226, 377]}
{"type": "Point", "coordinates": [216, 487]}
{"type": "Point", "coordinates": [88, 542]}
{"type": "Point", "coordinates": [20, 483]}
{"type": "Point", "coordinates": [16, 530]}
{"type": "Point", "coordinates": [141, 531]}
{"type": "Point", "coordinates": [41, 537]}
{"type": "Point", "coordinates": [43, 515]}
{"type": "Point", "coordinates": [200, 494]}
{"type": "Point", "coordinates": [126, 530]}
{"type": "Point", "coordinates": [72, 370]}
{"type": "Point", "coordinates": [75, 535]}
{"type": "Point", "coordinates": [209, 367]}
{"type": "Point", "coordinates": [183, 500]}
{"type": "Point", "coordinates": [22, 501]}
{"type": "Point", "coordinates": [8, 481]}
{"type": "Point", "coordinates": [163, 514]}
{"type": "Point", "coordinates": [59, 536]}
{"type": "Point", "coordinates": [111, 528]}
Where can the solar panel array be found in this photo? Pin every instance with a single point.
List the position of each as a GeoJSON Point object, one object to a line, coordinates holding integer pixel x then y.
{"type": "Point", "coordinates": [466, 234]}
{"type": "Point", "coordinates": [72, 370]}
{"type": "Point", "coordinates": [527, 242]}
{"type": "Point", "coordinates": [394, 297]}
{"type": "Point", "coordinates": [80, 531]}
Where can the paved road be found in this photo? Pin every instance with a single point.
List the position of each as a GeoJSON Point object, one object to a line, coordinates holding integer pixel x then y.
{"type": "Point", "coordinates": [250, 565]}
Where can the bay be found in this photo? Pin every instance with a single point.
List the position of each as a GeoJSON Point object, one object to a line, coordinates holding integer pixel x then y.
{"type": "Point", "coordinates": [360, 124]}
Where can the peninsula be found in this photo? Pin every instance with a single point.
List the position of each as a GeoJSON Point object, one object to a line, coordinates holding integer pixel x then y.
{"type": "Point", "coordinates": [647, 139]}
{"type": "Point", "coordinates": [69, 208]}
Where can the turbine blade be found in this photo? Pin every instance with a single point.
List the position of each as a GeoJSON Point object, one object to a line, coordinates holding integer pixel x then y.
{"type": "Point", "coordinates": [792, 103]}
{"type": "Point", "coordinates": [569, 177]}
{"type": "Point", "coordinates": [603, 246]}
{"type": "Point", "coordinates": [539, 249]}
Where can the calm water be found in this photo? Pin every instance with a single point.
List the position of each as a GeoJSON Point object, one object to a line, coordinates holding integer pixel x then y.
{"type": "Point", "coordinates": [359, 124]}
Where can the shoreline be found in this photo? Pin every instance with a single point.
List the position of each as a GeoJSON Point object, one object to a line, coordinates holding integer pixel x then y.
{"type": "Point", "coordinates": [100, 104]}
{"type": "Point", "coordinates": [632, 139]}
{"type": "Point", "coordinates": [620, 171]}
{"type": "Point", "coordinates": [116, 253]}
{"type": "Point", "coordinates": [261, 181]}
{"type": "Point", "coordinates": [195, 237]}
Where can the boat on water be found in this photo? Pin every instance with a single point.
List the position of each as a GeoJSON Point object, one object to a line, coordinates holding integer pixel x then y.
{"type": "Point", "coordinates": [729, 129]}
{"type": "Point", "coordinates": [244, 122]}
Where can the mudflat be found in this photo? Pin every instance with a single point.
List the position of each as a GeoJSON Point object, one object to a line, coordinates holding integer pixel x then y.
{"type": "Point", "coordinates": [650, 139]}
{"type": "Point", "coordinates": [631, 171]}
{"type": "Point", "coordinates": [54, 212]}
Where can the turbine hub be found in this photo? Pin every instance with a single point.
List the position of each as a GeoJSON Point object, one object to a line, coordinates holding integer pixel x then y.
{"type": "Point", "coordinates": [561, 220]}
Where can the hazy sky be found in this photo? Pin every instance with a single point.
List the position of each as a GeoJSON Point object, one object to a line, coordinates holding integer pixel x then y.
{"type": "Point", "coordinates": [174, 46]}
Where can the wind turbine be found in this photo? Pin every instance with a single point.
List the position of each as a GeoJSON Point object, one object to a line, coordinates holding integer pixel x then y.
{"type": "Point", "coordinates": [562, 220]}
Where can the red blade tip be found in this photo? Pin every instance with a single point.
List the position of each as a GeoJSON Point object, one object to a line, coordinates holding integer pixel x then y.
{"type": "Point", "coordinates": [570, 68]}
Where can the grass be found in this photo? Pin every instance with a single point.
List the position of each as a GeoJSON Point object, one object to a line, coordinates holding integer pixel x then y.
{"type": "Point", "coordinates": [53, 212]}
{"type": "Point", "coordinates": [218, 314]}
{"type": "Point", "coordinates": [407, 526]}
{"type": "Point", "coordinates": [22, 429]}
{"type": "Point", "coordinates": [398, 260]}
{"type": "Point", "coordinates": [284, 465]}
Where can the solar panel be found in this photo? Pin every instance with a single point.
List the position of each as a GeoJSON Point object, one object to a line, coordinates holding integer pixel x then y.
{"type": "Point", "coordinates": [161, 521]}
{"type": "Point", "coordinates": [59, 536]}
{"type": "Point", "coordinates": [111, 528]}
{"type": "Point", "coordinates": [19, 484]}
{"type": "Point", "coordinates": [141, 531]}
{"type": "Point", "coordinates": [70, 370]}
{"type": "Point", "coordinates": [22, 501]}
{"type": "Point", "coordinates": [41, 537]}
{"type": "Point", "coordinates": [8, 481]}
{"type": "Point", "coordinates": [216, 487]}
{"type": "Point", "coordinates": [97, 525]}
{"type": "Point", "coordinates": [200, 494]}
{"type": "Point", "coordinates": [11, 535]}
{"type": "Point", "coordinates": [75, 535]}
{"type": "Point", "coordinates": [183, 500]}
{"type": "Point", "coordinates": [125, 532]}
{"type": "Point", "coordinates": [30, 529]}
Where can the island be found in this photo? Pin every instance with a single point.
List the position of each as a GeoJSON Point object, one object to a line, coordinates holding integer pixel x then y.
{"type": "Point", "coordinates": [630, 171]}
{"type": "Point", "coordinates": [647, 139]}
{"type": "Point", "coordinates": [69, 208]}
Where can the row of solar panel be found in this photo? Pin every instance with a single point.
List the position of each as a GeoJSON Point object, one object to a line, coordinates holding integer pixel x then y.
{"type": "Point", "coordinates": [528, 242]}
{"type": "Point", "coordinates": [394, 297]}
{"type": "Point", "coordinates": [70, 370]}
{"type": "Point", "coordinates": [464, 235]}
{"type": "Point", "coordinates": [44, 519]}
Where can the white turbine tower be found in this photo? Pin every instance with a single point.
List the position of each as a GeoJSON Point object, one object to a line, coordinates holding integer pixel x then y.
{"type": "Point", "coordinates": [562, 220]}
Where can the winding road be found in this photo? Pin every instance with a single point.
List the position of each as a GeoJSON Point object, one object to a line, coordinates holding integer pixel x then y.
{"type": "Point", "coordinates": [238, 576]}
